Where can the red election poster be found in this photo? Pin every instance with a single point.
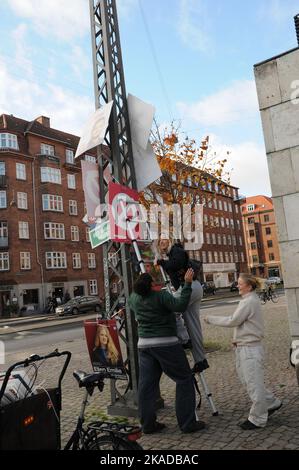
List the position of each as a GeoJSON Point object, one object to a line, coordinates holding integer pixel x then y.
{"type": "Point", "coordinates": [123, 205]}
{"type": "Point", "coordinates": [104, 349]}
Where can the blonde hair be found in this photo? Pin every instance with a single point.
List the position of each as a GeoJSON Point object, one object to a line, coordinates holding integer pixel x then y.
{"type": "Point", "coordinates": [251, 280]}
{"type": "Point", "coordinates": [113, 354]}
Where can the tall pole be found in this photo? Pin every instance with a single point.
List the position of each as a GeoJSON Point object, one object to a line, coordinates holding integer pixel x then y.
{"type": "Point", "coordinates": [116, 157]}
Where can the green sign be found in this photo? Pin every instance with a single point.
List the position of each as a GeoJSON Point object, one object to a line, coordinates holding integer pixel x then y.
{"type": "Point", "coordinates": [100, 234]}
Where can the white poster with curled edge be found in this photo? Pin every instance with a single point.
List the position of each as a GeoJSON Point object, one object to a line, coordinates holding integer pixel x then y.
{"type": "Point", "coordinates": [141, 117]}
{"type": "Point", "coordinates": [95, 129]}
{"type": "Point", "coordinates": [147, 168]}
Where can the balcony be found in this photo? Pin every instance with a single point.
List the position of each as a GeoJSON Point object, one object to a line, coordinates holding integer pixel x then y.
{"type": "Point", "coordinates": [3, 242]}
{"type": "Point", "coordinates": [3, 181]}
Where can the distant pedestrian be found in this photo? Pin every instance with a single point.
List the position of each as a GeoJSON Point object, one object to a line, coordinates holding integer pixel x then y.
{"type": "Point", "coordinates": [66, 297]}
{"type": "Point", "coordinates": [248, 336]}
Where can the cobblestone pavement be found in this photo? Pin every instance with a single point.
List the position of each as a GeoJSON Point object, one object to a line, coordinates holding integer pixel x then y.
{"type": "Point", "coordinates": [282, 431]}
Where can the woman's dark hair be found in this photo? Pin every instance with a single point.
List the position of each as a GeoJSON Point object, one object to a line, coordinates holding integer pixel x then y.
{"type": "Point", "coordinates": [143, 285]}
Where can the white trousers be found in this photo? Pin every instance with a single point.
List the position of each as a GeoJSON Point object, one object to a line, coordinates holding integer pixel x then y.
{"type": "Point", "coordinates": [250, 369]}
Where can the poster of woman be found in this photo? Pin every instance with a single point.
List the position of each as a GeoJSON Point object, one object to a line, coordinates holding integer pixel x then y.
{"type": "Point", "coordinates": [104, 349]}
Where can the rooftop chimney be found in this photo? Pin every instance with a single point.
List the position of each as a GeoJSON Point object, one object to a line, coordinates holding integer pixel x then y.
{"type": "Point", "coordinates": [296, 18]}
{"type": "Point", "coordinates": [43, 120]}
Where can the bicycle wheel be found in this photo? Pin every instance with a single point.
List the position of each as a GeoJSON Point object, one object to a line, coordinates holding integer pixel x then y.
{"type": "Point", "coordinates": [274, 298]}
{"type": "Point", "coordinates": [110, 442]}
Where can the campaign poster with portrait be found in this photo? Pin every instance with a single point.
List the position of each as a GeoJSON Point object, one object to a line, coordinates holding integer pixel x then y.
{"type": "Point", "coordinates": [104, 348]}
{"type": "Point", "coordinates": [148, 256]}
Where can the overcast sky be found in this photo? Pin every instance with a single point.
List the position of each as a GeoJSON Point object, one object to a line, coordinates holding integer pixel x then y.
{"type": "Point", "coordinates": [192, 59]}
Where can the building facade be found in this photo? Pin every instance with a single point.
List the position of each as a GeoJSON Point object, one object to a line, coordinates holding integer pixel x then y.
{"type": "Point", "coordinates": [260, 235]}
{"type": "Point", "coordinates": [44, 245]}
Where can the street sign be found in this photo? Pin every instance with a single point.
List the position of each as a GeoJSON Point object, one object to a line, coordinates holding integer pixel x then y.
{"type": "Point", "coordinates": [100, 234]}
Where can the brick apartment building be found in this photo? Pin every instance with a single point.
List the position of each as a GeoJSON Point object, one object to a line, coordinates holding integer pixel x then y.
{"type": "Point", "coordinates": [44, 245]}
{"type": "Point", "coordinates": [223, 253]}
{"type": "Point", "coordinates": [261, 236]}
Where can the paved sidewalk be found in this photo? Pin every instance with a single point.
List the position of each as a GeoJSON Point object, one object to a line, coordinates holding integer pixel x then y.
{"type": "Point", "coordinates": [222, 432]}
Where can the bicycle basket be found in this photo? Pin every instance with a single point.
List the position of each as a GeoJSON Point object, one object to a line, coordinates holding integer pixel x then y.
{"type": "Point", "coordinates": [32, 423]}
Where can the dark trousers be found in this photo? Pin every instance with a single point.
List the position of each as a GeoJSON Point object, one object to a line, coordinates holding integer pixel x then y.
{"type": "Point", "coordinates": [173, 362]}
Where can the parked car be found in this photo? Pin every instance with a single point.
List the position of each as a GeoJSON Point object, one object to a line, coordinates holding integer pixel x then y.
{"type": "Point", "coordinates": [274, 280]}
{"type": "Point", "coordinates": [209, 288]}
{"type": "Point", "coordinates": [80, 305]}
{"type": "Point", "coordinates": [234, 286]}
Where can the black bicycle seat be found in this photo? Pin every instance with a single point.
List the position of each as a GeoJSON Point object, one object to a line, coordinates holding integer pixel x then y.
{"type": "Point", "coordinates": [85, 380]}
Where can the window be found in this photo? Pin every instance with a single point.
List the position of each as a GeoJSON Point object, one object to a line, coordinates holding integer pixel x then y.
{"type": "Point", "coordinates": [242, 257]}
{"type": "Point", "coordinates": [240, 241]}
{"type": "Point", "coordinates": [4, 261]}
{"type": "Point", "coordinates": [251, 233]}
{"type": "Point", "coordinates": [268, 231]}
{"type": "Point", "coordinates": [90, 158]}
{"type": "Point", "coordinates": [250, 208]}
{"type": "Point", "coordinates": [224, 239]}
{"type": "Point", "coordinates": [9, 141]}
{"type": "Point", "coordinates": [208, 239]}
{"type": "Point", "coordinates": [215, 204]}
{"type": "Point", "coordinates": [221, 257]}
{"type": "Point", "coordinates": [74, 233]}
{"type": "Point", "coordinates": [24, 230]}
{"type": "Point", "coordinates": [215, 256]}
{"type": "Point", "coordinates": [52, 203]}
{"type": "Point", "coordinates": [46, 149]}
{"type": "Point", "coordinates": [87, 234]}
{"type": "Point", "coordinates": [253, 246]}
{"type": "Point", "coordinates": [220, 205]}
{"type": "Point", "coordinates": [210, 204]}
{"type": "Point", "coordinates": [231, 223]}
{"type": "Point", "coordinates": [54, 231]}
{"type": "Point", "coordinates": [22, 201]}
{"type": "Point", "coordinates": [231, 257]}
{"type": "Point", "coordinates": [69, 154]}
{"type": "Point", "coordinates": [211, 220]}
{"type": "Point", "coordinates": [91, 260]}
{"type": "Point", "coordinates": [76, 260]}
{"type": "Point", "coordinates": [3, 229]}
{"type": "Point", "coordinates": [225, 206]}
{"type": "Point", "coordinates": [222, 222]}
{"type": "Point", "coordinates": [206, 220]}
{"type": "Point", "coordinates": [234, 240]}
{"type": "Point", "coordinates": [213, 238]}
{"type": "Point", "coordinates": [236, 257]}
{"type": "Point", "coordinates": [250, 220]}
{"type": "Point", "coordinates": [255, 259]}
{"type": "Point", "coordinates": [266, 218]}
{"type": "Point", "coordinates": [230, 207]}
{"type": "Point", "coordinates": [2, 168]}
{"type": "Point", "coordinates": [50, 175]}
{"type": "Point", "coordinates": [271, 257]}
{"type": "Point", "coordinates": [216, 221]}
{"type": "Point", "coordinates": [93, 287]}
{"type": "Point", "coordinates": [229, 239]}
{"type": "Point", "coordinates": [270, 243]}
{"type": "Point", "coordinates": [25, 260]}
{"type": "Point", "coordinates": [227, 223]}
{"type": "Point", "coordinates": [21, 171]}
{"type": "Point", "coordinates": [3, 202]}
{"type": "Point", "coordinates": [210, 257]}
{"type": "Point", "coordinates": [71, 181]}
{"type": "Point", "coordinates": [226, 257]}
{"type": "Point", "coordinates": [204, 257]}
{"type": "Point", "coordinates": [73, 209]}
{"type": "Point", "coordinates": [55, 260]}
{"type": "Point", "coordinates": [219, 239]}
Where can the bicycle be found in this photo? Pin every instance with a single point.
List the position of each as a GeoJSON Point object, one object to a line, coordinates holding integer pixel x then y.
{"type": "Point", "coordinates": [266, 296]}
{"type": "Point", "coordinates": [100, 435]}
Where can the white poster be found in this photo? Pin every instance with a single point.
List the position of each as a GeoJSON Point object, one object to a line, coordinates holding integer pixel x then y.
{"type": "Point", "coordinates": [141, 117]}
{"type": "Point", "coordinates": [91, 186]}
{"type": "Point", "coordinates": [95, 130]}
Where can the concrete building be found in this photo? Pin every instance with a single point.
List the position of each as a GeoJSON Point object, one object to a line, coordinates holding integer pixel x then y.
{"type": "Point", "coordinates": [260, 235]}
{"type": "Point", "coordinates": [44, 245]}
{"type": "Point", "coordinates": [277, 86]}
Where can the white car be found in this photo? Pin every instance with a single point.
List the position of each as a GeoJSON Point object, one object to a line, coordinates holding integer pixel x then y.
{"type": "Point", "coordinates": [274, 280]}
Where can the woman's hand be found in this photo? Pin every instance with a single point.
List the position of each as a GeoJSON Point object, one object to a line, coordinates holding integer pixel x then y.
{"type": "Point", "coordinates": [189, 275]}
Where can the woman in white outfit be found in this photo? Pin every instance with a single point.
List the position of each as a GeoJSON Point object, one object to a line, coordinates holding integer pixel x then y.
{"type": "Point", "coordinates": [248, 334]}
